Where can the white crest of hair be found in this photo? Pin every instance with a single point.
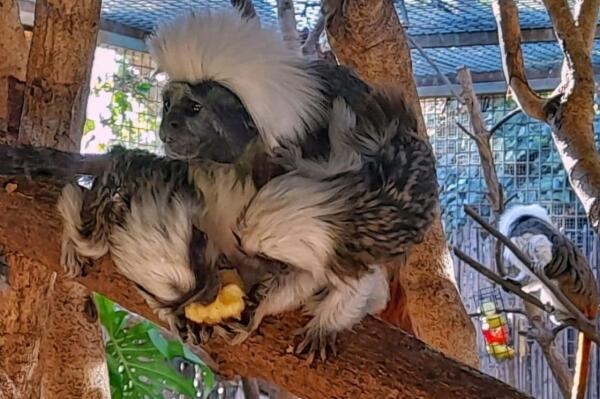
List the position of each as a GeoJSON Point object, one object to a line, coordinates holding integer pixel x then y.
{"type": "Point", "coordinates": [273, 82]}
{"type": "Point", "coordinates": [516, 211]}
{"type": "Point", "coordinates": [153, 248]}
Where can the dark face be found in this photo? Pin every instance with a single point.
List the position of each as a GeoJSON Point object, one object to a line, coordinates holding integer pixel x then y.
{"type": "Point", "coordinates": [205, 121]}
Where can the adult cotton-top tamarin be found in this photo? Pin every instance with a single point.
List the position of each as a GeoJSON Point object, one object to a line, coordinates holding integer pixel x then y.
{"type": "Point", "coordinates": [360, 186]}
{"type": "Point", "coordinates": [530, 228]}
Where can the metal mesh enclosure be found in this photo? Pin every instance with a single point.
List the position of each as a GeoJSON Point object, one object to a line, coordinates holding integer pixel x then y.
{"type": "Point", "coordinates": [527, 162]}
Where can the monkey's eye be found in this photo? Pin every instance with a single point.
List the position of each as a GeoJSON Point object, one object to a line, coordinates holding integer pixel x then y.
{"type": "Point", "coordinates": [196, 107]}
{"type": "Point", "coordinates": [166, 105]}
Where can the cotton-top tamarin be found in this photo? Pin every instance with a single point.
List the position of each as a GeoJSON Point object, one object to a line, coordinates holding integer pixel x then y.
{"type": "Point", "coordinates": [530, 228]}
{"type": "Point", "coordinates": [360, 186]}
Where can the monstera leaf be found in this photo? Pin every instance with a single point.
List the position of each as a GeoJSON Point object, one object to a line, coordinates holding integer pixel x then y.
{"type": "Point", "coordinates": [139, 358]}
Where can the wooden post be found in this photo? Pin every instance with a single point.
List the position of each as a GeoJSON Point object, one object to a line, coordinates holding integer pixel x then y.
{"type": "Point", "coordinates": [50, 346]}
{"type": "Point", "coordinates": [367, 36]}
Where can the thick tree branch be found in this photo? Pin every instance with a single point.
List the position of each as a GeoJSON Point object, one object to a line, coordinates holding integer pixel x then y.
{"type": "Point", "coordinates": [375, 361]}
{"type": "Point", "coordinates": [509, 35]}
{"type": "Point", "coordinates": [586, 19]}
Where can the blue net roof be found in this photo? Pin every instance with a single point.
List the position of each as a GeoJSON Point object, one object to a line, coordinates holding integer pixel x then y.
{"type": "Point", "coordinates": [424, 17]}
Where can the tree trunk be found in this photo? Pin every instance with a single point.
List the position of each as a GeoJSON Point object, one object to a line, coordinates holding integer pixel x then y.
{"type": "Point", "coordinates": [58, 72]}
{"type": "Point", "coordinates": [375, 360]}
{"type": "Point", "coordinates": [367, 36]}
{"type": "Point", "coordinates": [49, 345]}
{"type": "Point", "coordinates": [13, 62]}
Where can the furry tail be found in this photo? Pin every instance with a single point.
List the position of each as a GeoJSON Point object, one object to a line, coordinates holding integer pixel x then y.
{"type": "Point", "coordinates": [510, 216]}
{"type": "Point", "coordinates": [74, 245]}
{"type": "Point", "coordinates": [582, 363]}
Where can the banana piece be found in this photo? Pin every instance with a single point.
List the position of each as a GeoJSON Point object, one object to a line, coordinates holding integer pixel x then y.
{"type": "Point", "coordinates": [229, 302]}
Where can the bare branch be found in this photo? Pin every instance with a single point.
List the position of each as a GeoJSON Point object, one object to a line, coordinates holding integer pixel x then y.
{"type": "Point", "coordinates": [509, 36]}
{"type": "Point", "coordinates": [466, 131]}
{"type": "Point", "coordinates": [286, 16]}
{"type": "Point", "coordinates": [494, 191]}
{"type": "Point", "coordinates": [544, 336]}
{"type": "Point", "coordinates": [510, 310]}
{"type": "Point", "coordinates": [246, 7]}
{"type": "Point", "coordinates": [311, 44]}
{"type": "Point", "coordinates": [505, 119]}
{"type": "Point", "coordinates": [436, 69]}
{"type": "Point", "coordinates": [507, 284]}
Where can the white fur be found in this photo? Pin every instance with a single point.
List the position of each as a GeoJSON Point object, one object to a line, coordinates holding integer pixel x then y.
{"type": "Point", "coordinates": [348, 303]}
{"type": "Point", "coordinates": [514, 212]}
{"type": "Point", "coordinates": [252, 61]}
{"type": "Point", "coordinates": [536, 247]}
{"type": "Point", "coordinates": [284, 221]}
{"type": "Point", "coordinates": [225, 197]}
{"type": "Point", "coordinates": [153, 250]}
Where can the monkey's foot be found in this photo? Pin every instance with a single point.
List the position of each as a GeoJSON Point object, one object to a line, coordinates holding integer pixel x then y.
{"type": "Point", "coordinates": [74, 264]}
{"type": "Point", "coordinates": [316, 341]}
{"type": "Point", "coordinates": [235, 333]}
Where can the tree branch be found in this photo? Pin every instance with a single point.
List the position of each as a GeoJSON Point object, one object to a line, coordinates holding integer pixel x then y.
{"type": "Point", "coordinates": [507, 284]}
{"type": "Point", "coordinates": [286, 16]}
{"type": "Point", "coordinates": [509, 36]}
{"type": "Point", "coordinates": [436, 69]}
{"type": "Point", "coordinates": [311, 44]}
{"type": "Point", "coordinates": [505, 119]}
{"type": "Point", "coordinates": [586, 17]}
{"type": "Point", "coordinates": [414, 370]}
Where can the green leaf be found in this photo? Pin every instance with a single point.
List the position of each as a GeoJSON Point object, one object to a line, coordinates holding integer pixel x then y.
{"type": "Point", "coordinates": [138, 357]}
{"type": "Point", "coordinates": [143, 87]}
{"type": "Point", "coordinates": [89, 126]}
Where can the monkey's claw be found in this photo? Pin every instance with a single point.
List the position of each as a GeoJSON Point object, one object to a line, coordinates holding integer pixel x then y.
{"type": "Point", "coordinates": [316, 341]}
{"type": "Point", "coordinates": [235, 333]}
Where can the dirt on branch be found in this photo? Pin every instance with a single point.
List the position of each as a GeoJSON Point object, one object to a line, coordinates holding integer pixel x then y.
{"type": "Point", "coordinates": [375, 361]}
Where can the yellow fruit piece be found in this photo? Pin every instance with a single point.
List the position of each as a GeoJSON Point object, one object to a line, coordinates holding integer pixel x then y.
{"type": "Point", "coordinates": [229, 302]}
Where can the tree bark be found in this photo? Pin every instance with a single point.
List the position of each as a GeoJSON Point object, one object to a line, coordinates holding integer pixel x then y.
{"type": "Point", "coordinates": [14, 48]}
{"type": "Point", "coordinates": [58, 72]}
{"type": "Point", "coordinates": [374, 361]}
{"type": "Point", "coordinates": [367, 36]}
{"type": "Point", "coordinates": [50, 347]}
{"type": "Point", "coordinates": [570, 112]}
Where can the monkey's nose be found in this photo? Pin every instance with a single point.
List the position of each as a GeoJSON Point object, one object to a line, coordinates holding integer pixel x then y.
{"type": "Point", "coordinates": [174, 124]}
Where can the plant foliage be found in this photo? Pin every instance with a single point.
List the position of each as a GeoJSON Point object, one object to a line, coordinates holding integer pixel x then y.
{"type": "Point", "coordinates": [140, 359]}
